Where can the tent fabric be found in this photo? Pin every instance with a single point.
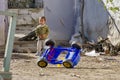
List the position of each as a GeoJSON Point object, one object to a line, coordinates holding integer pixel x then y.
{"type": "Point", "coordinates": [60, 18]}
{"type": "Point", "coordinates": [64, 19]}
{"type": "Point", "coordinates": [97, 22]}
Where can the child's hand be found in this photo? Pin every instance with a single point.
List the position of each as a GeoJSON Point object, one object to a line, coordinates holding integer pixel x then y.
{"type": "Point", "coordinates": [43, 36]}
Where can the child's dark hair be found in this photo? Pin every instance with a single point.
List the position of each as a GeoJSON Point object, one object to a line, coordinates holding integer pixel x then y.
{"type": "Point", "coordinates": [43, 17]}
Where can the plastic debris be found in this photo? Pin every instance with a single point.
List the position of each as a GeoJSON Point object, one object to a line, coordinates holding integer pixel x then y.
{"type": "Point", "coordinates": [92, 53]}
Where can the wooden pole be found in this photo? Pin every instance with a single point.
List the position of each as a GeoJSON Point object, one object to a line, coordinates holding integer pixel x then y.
{"type": "Point", "coordinates": [9, 45]}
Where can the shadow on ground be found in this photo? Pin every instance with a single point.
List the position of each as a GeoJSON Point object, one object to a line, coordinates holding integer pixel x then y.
{"type": "Point", "coordinates": [19, 56]}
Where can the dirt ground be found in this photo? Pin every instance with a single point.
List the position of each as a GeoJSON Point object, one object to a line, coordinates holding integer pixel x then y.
{"type": "Point", "coordinates": [24, 67]}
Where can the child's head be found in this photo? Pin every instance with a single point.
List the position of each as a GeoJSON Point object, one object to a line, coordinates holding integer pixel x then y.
{"type": "Point", "coordinates": [42, 20]}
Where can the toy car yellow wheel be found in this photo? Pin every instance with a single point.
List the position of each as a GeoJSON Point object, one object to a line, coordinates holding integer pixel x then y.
{"type": "Point", "coordinates": [67, 64]}
{"type": "Point", "coordinates": [42, 63]}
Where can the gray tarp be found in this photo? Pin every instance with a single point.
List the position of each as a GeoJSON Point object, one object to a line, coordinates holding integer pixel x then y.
{"type": "Point", "coordinates": [64, 19]}
{"type": "Point", "coordinates": [95, 20]}
{"type": "Point", "coordinates": [60, 15]}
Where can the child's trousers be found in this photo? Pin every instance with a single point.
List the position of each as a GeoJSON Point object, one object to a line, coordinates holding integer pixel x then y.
{"type": "Point", "coordinates": [40, 46]}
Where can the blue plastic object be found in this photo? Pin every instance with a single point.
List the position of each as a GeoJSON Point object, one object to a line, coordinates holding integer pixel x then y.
{"type": "Point", "coordinates": [51, 54]}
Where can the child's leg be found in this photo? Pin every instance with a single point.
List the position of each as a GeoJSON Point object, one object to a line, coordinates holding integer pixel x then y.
{"type": "Point", "coordinates": [43, 43]}
{"type": "Point", "coordinates": [40, 46]}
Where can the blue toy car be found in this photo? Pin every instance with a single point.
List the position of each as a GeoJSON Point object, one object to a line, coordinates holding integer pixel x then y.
{"type": "Point", "coordinates": [51, 54]}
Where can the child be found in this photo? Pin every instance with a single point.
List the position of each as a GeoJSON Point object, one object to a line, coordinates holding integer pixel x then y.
{"type": "Point", "coordinates": [42, 32]}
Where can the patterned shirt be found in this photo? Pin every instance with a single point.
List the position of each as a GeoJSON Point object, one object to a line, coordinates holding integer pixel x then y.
{"type": "Point", "coordinates": [42, 30]}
